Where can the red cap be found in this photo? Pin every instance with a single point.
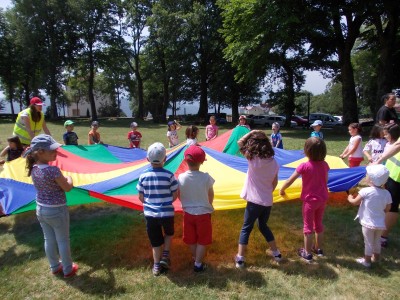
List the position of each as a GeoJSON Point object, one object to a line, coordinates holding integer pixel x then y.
{"type": "Point", "coordinates": [195, 154]}
{"type": "Point", "coordinates": [36, 101]}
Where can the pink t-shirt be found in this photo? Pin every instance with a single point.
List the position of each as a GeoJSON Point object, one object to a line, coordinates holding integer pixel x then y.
{"type": "Point", "coordinates": [211, 131]}
{"type": "Point", "coordinates": [314, 175]}
{"type": "Point", "coordinates": [258, 183]}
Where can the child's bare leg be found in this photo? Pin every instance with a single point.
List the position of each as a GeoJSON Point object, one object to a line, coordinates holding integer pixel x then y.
{"type": "Point", "coordinates": [156, 254]}
{"type": "Point", "coordinates": [242, 250]}
{"type": "Point", "coordinates": [272, 245]}
{"type": "Point", "coordinates": [200, 253]}
{"type": "Point", "coordinates": [376, 257]}
{"type": "Point", "coordinates": [308, 240]}
{"type": "Point", "coordinates": [193, 250]}
{"type": "Point", "coordinates": [319, 240]}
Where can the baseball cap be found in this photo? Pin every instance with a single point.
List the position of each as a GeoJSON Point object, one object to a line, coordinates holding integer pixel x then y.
{"type": "Point", "coordinates": [195, 154]}
{"type": "Point", "coordinates": [95, 123]}
{"type": "Point", "coordinates": [171, 123]}
{"type": "Point", "coordinates": [156, 153]}
{"type": "Point", "coordinates": [42, 141]}
{"type": "Point", "coordinates": [133, 124]}
{"type": "Point", "coordinates": [36, 101]}
{"type": "Point", "coordinates": [378, 174]}
{"type": "Point", "coordinates": [316, 123]}
{"type": "Point", "coordinates": [68, 122]}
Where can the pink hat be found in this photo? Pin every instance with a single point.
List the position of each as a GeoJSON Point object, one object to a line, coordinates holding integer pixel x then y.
{"type": "Point", "coordinates": [36, 101]}
{"type": "Point", "coordinates": [195, 154]}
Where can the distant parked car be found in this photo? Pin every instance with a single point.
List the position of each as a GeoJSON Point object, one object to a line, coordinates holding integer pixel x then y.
{"type": "Point", "coordinates": [266, 120]}
{"type": "Point", "coordinates": [221, 121]}
{"type": "Point", "coordinates": [300, 121]}
{"type": "Point", "coordinates": [339, 119]}
{"type": "Point", "coordinates": [327, 119]}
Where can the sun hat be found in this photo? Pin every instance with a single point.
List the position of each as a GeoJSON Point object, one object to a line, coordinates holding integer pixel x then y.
{"type": "Point", "coordinates": [133, 124]}
{"type": "Point", "coordinates": [242, 117]}
{"type": "Point", "coordinates": [68, 122]}
{"type": "Point", "coordinates": [195, 154]}
{"type": "Point", "coordinates": [171, 123]}
{"type": "Point", "coordinates": [36, 101]}
{"type": "Point", "coordinates": [95, 123]}
{"type": "Point", "coordinates": [378, 174]}
{"type": "Point", "coordinates": [156, 153]}
{"type": "Point", "coordinates": [316, 123]}
{"type": "Point", "coordinates": [42, 141]}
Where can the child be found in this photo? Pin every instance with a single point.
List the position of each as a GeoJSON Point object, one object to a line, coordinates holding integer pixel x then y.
{"type": "Point", "coordinates": [354, 149]}
{"type": "Point", "coordinates": [211, 129]}
{"type": "Point", "coordinates": [13, 150]}
{"type": "Point", "coordinates": [243, 122]}
{"type": "Point", "coordinates": [374, 202]}
{"type": "Point", "coordinates": [172, 133]}
{"type": "Point", "coordinates": [94, 135]}
{"type": "Point", "coordinates": [157, 189]}
{"type": "Point", "coordinates": [375, 146]}
{"type": "Point", "coordinates": [391, 133]}
{"type": "Point", "coordinates": [196, 194]}
{"type": "Point", "coordinates": [261, 180]}
{"type": "Point", "coordinates": [191, 135]}
{"type": "Point", "coordinates": [276, 136]}
{"type": "Point", "coordinates": [317, 125]}
{"type": "Point", "coordinates": [51, 203]}
{"type": "Point", "coordinates": [314, 194]}
{"type": "Point", "coordinates": [134, 136]}
{"type": "Point", "coordinates": [70, 137]}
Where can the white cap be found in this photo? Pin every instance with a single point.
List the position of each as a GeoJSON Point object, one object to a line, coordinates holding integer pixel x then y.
{"type": "Point", "coordinates": [316, 123]}
{"type": "Point", "coordinates": [378, 174]}
{"type": "Point", "coordinates": [156, 153]}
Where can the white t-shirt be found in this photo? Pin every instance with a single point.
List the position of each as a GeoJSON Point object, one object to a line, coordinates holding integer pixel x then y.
{"type": "Point", "coordinates": [173, 135]}
{"type": "Point", "coordinates": [193, 189]}
{"type": "Point", "coordinates": [371, 211]}
{"type": "Point", "coordinates": [359, 150]}
{"type": "Point", "coordinates": [375, 147]}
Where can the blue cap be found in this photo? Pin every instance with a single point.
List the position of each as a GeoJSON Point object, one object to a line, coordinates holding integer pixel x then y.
{"type": "Point", "coordinates": [42, 141]}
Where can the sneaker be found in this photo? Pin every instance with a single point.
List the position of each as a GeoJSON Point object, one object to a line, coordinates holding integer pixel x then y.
{"type": "Point", "coordinates": [58, 270]}
{"type": "Point", "coordinates": [306, 257]}
{"type": "Point", "coordinates": [362, 261]}
{"type": "Point", "coordinates": [156, 270]}
{"type": "Point", "coordinates": [202, 268]}
{"type": "Point", "coordinates": [165, 262]}
{"type": "Point", "coordinates": [239, 263]}
{"type": "Point", "coordinates": [318, 252]}
{"type": "Point", "coordinates": [75, 268]}
{"type": "Point", "coordinates": [278, 257]}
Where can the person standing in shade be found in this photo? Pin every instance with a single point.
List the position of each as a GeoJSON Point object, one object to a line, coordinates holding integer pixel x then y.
{"type": "Point", "coordinates": [387, 114]}
{"type": "Point", "coordinates": [70, 137]}
{"type": "Point", "coordinates": [30, 122]}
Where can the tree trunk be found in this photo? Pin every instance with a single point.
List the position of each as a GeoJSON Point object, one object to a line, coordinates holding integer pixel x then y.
{"type": "Point", "coordinates": [235, 103]}
{"type": "Point", "coordinates": [91, 84]}
{"type": "Point", "coordinates": [140, 89]}
{"type": "Point", "coordinates": [203, 108]}
{"type": "Point", "coordinates": [289, 88]}
{"type": "Point", "coordinates": [350, 110]}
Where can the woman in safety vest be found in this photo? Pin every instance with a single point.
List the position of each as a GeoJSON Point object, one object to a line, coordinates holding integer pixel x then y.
{"type": "Point", "coordinates": [30, 122]}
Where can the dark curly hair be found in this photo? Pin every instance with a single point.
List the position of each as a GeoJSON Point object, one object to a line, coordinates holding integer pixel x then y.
{"type": "Point", "coordinates": [256, 144]}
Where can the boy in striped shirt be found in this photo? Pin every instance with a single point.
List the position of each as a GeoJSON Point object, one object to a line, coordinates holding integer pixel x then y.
{"type": "Point", "coordinates": [157, 189]}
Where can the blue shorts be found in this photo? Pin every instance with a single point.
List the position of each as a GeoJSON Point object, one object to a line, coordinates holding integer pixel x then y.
{"type": "Point", "coordinates": [155, 227]}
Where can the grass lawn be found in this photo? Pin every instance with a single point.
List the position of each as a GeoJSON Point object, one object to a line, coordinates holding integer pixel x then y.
{"type": "Point", "coordinates": [111, 246]}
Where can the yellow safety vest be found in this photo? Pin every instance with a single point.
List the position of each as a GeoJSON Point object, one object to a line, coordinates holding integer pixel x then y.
{"type": "Point", "coordinates": [393, 165]}
{"type": "Point", "coordinates": [20, 129]}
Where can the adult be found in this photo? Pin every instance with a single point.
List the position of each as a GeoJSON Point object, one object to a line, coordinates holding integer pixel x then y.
{"type": "Point", "coordinates": [30, 122]}
{"type": "Point", "coordinates": [392, 157]}
{"type": "Point", "coordinates": [387, 114]}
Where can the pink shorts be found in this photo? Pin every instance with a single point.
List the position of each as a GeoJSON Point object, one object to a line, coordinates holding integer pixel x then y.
{"type": "Point", "coordinates": [313, 213]}
{"type": "Point", "coordinates": [355, 161]}
{"type": "Point", "coordinates": [197, 229]}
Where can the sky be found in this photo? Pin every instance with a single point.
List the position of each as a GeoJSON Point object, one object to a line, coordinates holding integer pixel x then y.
{"type": "Point", "coordinates": [315, 83]}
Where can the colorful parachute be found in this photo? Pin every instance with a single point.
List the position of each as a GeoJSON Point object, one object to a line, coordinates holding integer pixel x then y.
{"type": "Point", "coordinates": [109, 173]}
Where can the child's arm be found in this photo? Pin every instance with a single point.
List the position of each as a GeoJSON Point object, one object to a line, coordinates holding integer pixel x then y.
{"type": "Point", "coordinates": [344, 153]}
{"type": "Point", "coordinates": [355, 200]}
{"type": "Point", "coordinates": [355, 146]}
{"type": "Point", "coordinates": [211, 195]}
{"type": "Point", "coordinates": [141, 197]}
{"type": "Point", "coordinates": [178, 126]}
{"type": "Point", "coordinates": [65, 183]}
{"type": "Point", "coordinates": [275, 182]}
{"type": "Point", "coordinates": [4, 152]}
{"type": "Point", "coordinates": [387, 208]}
{"type": "Point", "coordinates": [170, 141]}
{"type": "Point", "coordinates": [175, 195]}
{"type": "Point", "coordinates": [206, 133]}
{"type": "Point", "coordinates": [369, 157]}
{"type": "Point", "coordinates": [288, 182]}
{"type": "Point", "coordinates": [278, 142]}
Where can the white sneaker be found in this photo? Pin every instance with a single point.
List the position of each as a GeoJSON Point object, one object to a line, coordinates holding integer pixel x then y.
{"type": "Point", "coordinates": [239, 263]}
{"type": "Point", "coordinates": [278, 257]}
{"type": "Point", "coordinates": [362, 261]}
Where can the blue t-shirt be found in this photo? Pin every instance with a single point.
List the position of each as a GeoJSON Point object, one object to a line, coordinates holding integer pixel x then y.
{"type": "Point", "coordinates": [70, 138]}
{"type": "Point", "coordinates": [275, 138]}
{"type": "Point", "coordinates": [317, 134]}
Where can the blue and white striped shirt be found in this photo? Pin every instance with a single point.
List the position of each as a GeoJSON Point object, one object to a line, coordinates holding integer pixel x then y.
{"type": "Point", "coordinates": [157, 186]}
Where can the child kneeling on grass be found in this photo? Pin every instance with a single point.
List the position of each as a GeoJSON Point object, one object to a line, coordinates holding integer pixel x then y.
{"type": "Point", "coordinates": [261, 180]}
{"type": "Point", "coordinates": [374, 202]}
{"type": "Point", "coordinates": [196, 193]}
{"type": "Point", "coordinates": [157, 189]}
{"type": "Point", "coordinates": [314, 194]}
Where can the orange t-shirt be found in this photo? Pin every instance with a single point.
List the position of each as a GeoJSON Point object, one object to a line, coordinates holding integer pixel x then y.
{"type": "Point", "coordinates": [93, 137]}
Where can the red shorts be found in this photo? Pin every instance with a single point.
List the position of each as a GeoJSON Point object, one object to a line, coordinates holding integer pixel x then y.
{"type": "Point", "coordinates": [355, 161]}
{"type": "Point", "coordinates": [197, 229]}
